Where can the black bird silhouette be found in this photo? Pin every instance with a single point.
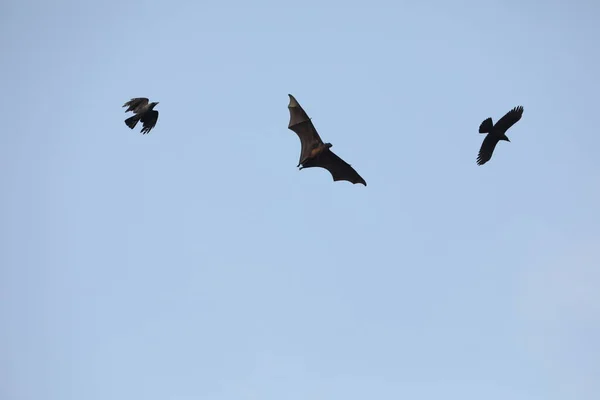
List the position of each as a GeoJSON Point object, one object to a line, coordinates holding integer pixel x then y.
{"type": "Point", "coordinates": [143, 111]}
{"type": "Point", "coordinates": [496, 133]}
{"type": "Point", "coordinates": [315, 153]}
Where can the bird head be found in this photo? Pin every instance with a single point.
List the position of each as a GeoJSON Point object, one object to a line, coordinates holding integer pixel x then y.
{"type": "Point", "coordinates": [328, 145]}
{"type": "Point", "coordinates": [153, 104]}
{"type": "Point", "coordinates": [504, 137]}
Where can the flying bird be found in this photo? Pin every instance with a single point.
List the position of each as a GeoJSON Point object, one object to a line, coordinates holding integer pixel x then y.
{"type": "Point", "coordinates": [143, 111]}
{"type": "Point", "coordinates": [315, 153]}
{"type": "Point", "coordinates": [496, 132]}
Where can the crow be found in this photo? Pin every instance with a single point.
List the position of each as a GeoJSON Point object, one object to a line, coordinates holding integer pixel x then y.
{"type": "Point", "coordinates": [143, 111]}
{"type": "Point", "coordinates": [496, 133]}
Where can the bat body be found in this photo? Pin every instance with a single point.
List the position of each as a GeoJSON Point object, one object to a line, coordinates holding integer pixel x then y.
{"type": "Point", "coordinates": [496, 132]}
{"type": "Point", "coordinates": [315, 153]}
{"type": "Point", "coordinates": [143, 111]}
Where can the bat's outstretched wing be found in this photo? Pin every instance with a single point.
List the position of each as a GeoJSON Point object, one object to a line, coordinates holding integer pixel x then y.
{"type": "Point", "coordinates": [149, 121]}
{"type": "Point", "coordinates": [135, 104]}
{"type": "Point", "coordinates": [509, 119]}
{"type": "Point", "coordinates": [304, 128]}
{"type": "Point", "coordinates": [487, 149]}
{"type": "Point", "coordinates": [339, 169]}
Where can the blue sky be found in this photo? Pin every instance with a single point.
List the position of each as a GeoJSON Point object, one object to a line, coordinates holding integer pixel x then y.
{"type": "Point", "coordinates": [196, 262]}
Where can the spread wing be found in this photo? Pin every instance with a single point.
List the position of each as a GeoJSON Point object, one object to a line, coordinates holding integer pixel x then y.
{"type": "Point", "coordinates": [304, 128]}
{"type": "Point", "coordinates": [339, 169]}
{"type": "Point", "coordinates": [149, 120]}
{"type": "Point", "coordinates": [487, 148]}
{"type": "Point", "coordinates": [509, 119]}
{"type": "Point", "coordinates": [136, 103]}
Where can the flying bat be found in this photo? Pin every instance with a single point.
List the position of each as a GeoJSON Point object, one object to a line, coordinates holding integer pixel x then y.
{"type": "Point", "coordinates": [143, 111]}
{"type": "Point", "coordinates": [496, 132]}
{"type": "Point", "coordinates": [315, 153]}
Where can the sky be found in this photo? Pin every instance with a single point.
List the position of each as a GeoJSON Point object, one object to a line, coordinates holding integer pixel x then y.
{"type": "Point", "coordinates": [197, 262]}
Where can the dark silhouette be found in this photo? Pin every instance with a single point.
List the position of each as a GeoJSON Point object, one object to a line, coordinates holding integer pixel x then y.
{"type": "Point", "coordinates": [315, 153]}
{"type": "Point", "coordinates": [496, 133]}
{"type": "Point", "coordinates": [143, 111]}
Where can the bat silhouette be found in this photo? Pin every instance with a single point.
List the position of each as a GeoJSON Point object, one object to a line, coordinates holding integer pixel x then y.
{"type": "Point", "coordinates": [496, 132]}
{"type": "Point", "coordinates": [315, 153]}
{"type": "Point", "coordinates": [143, 111]}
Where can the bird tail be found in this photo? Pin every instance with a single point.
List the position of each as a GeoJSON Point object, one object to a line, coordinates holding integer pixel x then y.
{"type": "Point", "coordinates": [486, 126]}
{"type": "Point", "coordinates": [132, 121]}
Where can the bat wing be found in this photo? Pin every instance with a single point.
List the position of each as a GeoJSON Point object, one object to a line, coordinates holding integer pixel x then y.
{"type": "Point", "coordinates": [340, 170]}
{"type": "Point", "coordinates": [149, 121]}
{"type": "Point", "coordinates": [509, 119]}
{"type": "Point", "coordinates": [304, 128]}
{"type": "Point", "coordinates": [487, 149]}
{"type": "Point", "coordinates": [136, 103]}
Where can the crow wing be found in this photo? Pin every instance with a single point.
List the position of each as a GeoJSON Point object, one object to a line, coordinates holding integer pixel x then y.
{"type": "Point", "coordinates": [487, 149]}
{"type": "Point", "coordinates": [149, 121]}
{"type": "Point", "coordinates": [136, 104]}
{"type": "Point", "coordinates": [340, 170]}
{"type": "Point", "coordinates": [304, 128]}
{"type": "Point", "coordinates": [509, 119]}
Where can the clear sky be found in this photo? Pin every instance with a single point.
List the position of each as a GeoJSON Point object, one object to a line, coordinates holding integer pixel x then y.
{"type": "Point", "coordinates": [197, 262]}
